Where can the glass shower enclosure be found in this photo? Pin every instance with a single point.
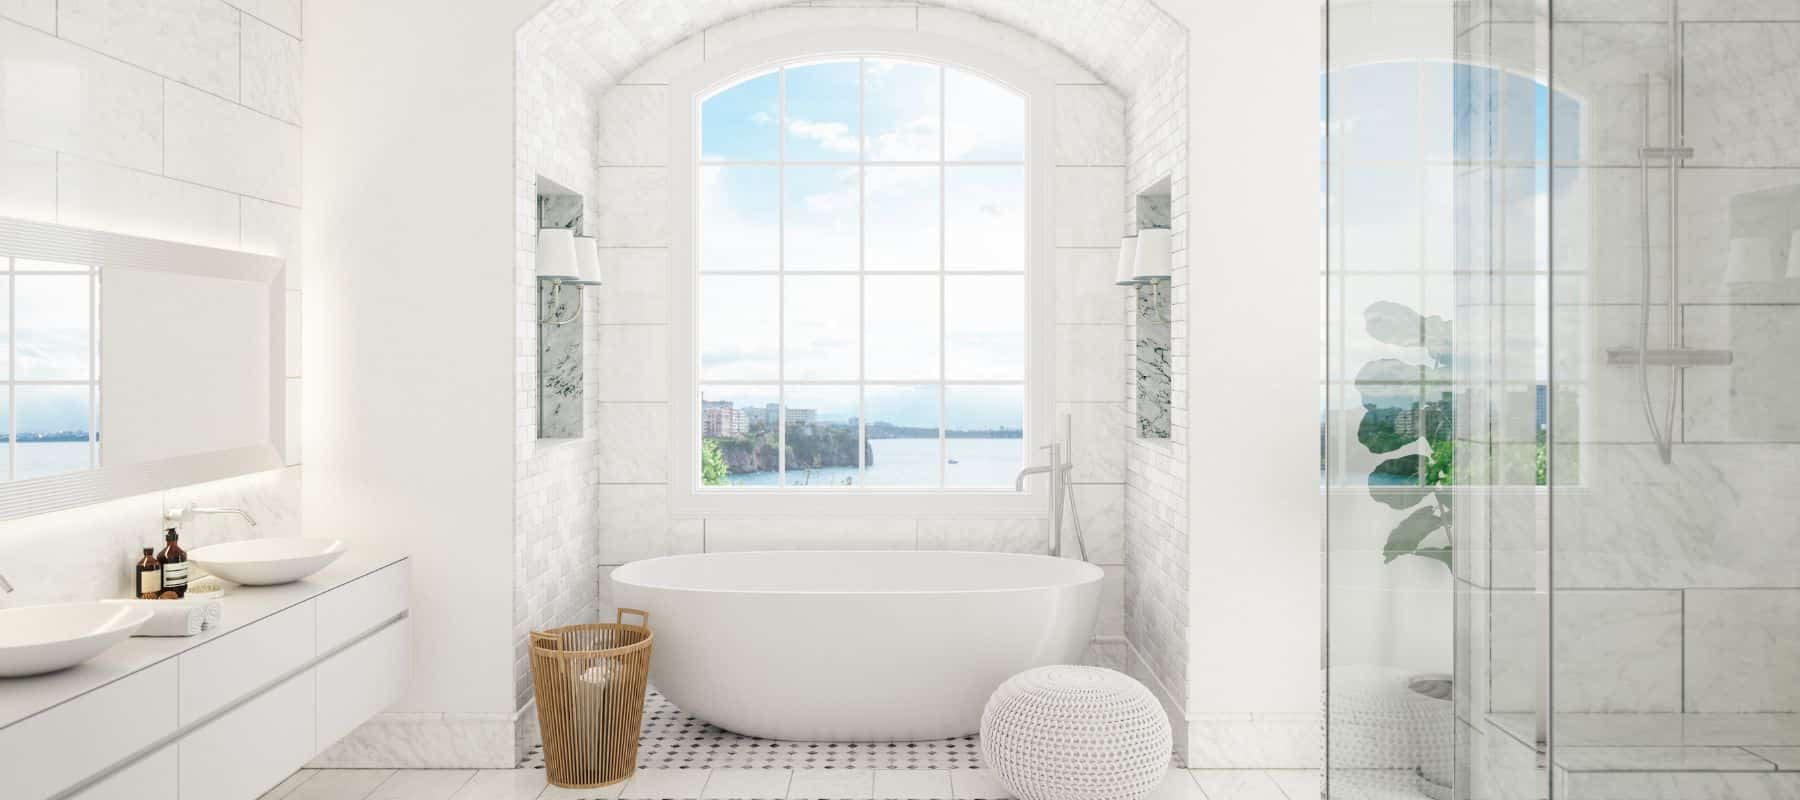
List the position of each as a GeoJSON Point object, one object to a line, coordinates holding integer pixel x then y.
{"type": "Point", "coordinates": [1561, 403]}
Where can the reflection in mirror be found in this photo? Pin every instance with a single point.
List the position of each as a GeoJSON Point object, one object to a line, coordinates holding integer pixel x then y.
{"type": "Point", "coordinates": [131, 365]}
{"type": "Point", "coordinates": [51, 376]}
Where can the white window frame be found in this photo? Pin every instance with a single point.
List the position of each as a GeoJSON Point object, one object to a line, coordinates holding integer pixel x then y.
{"type": "Point", "coordinates": [687, 498]}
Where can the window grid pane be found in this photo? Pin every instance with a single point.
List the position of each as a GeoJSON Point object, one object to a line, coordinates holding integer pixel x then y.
{"type": "Point", "coordinates": [50, 397]}
{"type": "Point", "coordinates": [858, 254]}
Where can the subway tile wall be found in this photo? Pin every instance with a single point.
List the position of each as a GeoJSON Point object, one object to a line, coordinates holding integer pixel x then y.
{"type": "Point", "coordinates": [176, 120]}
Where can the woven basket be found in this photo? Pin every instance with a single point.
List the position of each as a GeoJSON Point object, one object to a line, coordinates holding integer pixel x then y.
{"type": "Point", "coordinates": [590, 681]}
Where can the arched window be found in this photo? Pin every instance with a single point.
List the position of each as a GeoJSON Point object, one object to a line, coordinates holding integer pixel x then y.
{"type": "Point", "coordinates": [859, 261]}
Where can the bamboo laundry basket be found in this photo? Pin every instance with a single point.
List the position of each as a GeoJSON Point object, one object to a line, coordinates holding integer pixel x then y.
{"type": "Point", "coordinates": [590, 681]}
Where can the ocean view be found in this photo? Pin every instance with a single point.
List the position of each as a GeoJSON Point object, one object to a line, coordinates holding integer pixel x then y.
{"type": "Point", "coordinates": [42, 459]}
{"type": "Point", "coordinates": [913, 462]}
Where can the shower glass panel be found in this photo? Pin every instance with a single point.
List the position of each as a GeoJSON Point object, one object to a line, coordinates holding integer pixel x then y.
{"type": "Point", "coordinates": [1561, 313]}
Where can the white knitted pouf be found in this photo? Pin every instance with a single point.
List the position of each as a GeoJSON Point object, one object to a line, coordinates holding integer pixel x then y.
{"type": "Point", "coordinates": [1075, 733]}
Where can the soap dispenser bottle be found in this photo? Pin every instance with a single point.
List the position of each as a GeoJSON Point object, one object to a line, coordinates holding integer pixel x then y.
{"type": "Point", "coordinates": [174, 565]}
{"type": "Point", "coordinates": [149, 575]}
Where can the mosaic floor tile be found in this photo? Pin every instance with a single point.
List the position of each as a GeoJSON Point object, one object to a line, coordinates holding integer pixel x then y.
{"type": "Point", "coordinates": [673, 739]}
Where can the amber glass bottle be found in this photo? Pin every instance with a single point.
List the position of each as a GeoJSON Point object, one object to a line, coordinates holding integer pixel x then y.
{"type": "Point", "coordinates": [174, 565]}
{"type": "Point", "coordinates": [149, 574]}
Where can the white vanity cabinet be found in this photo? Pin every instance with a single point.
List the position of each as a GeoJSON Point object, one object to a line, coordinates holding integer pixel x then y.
{"type": "Point", "coordinates": [222, 716]}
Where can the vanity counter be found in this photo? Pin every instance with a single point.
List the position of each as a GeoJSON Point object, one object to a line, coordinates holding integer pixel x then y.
{"type": "Point", "coordinates": [288, 671]}
{"type": "Point", "coordinates": [22, 698]}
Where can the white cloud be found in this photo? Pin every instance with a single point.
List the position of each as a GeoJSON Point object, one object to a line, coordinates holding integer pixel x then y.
{"type": "Point", "coordinates": [832, 136]}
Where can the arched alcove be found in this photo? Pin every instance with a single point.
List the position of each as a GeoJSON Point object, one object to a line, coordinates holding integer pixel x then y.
{"type": "Point", "coordinates": [593, 83]}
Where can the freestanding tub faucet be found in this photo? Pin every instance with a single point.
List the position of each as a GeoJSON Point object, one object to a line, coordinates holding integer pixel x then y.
{"type": "Point", "coordinates": [1059, 472]}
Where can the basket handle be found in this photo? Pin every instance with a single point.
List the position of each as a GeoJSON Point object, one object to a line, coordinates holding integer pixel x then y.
{"type": "Point", "coordinates": [642, 615]}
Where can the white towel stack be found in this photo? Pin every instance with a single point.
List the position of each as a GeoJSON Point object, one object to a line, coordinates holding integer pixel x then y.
{"type": "Point", "coordinates": [178, 617]}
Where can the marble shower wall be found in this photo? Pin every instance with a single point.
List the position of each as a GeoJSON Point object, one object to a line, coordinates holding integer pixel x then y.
{"type": "Point", "coordinates": [1683, 571]}
{"type": "Point", "coordinates": [177, 121]}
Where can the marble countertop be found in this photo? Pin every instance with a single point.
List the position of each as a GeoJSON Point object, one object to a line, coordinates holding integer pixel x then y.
{"type": "Point", "coordinates": [22, 698]}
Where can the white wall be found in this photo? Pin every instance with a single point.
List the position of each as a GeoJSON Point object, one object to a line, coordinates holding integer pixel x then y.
{"type": "Point", "coordinates": [1256, 511]}
{"type": "Point", "coordinates": [409, 175]}
{"type": "Point", "coordinates": [171, 120]}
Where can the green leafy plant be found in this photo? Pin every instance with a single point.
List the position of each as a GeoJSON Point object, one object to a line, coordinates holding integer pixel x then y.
{"type": "Point", "coordinates": [712, 464]}
{"type": "Point", "coordinates": [1398, 414]}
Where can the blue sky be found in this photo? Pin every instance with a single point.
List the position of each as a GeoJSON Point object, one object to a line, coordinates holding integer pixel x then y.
{"type": "Point", "coordinates": [52, 344]}
{"type": "Point", "coordinates": [839, 214]}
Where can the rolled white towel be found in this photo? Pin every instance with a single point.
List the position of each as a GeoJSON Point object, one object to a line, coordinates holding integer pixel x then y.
{"type": "Point", "coordinates": [178, 617]}
{"type": "Point", "coordinates": [170, 617]}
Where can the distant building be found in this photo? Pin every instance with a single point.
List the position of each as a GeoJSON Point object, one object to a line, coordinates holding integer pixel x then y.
{"type": "Point", "coordinates": [1406, 423]}
{"type": "Point", "coordinates": [763, 416]}
{"type": "Point", "coordinates": [802, 416]}
{"type": "Point", "coordinates": [718, 419]}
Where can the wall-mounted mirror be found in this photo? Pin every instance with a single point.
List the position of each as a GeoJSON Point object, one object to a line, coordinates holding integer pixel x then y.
{"type": "Point", "coordinates": [130, 365]}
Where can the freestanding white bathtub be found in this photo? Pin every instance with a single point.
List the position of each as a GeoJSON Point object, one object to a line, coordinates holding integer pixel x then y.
{"type": "Point", "coordinates": [855, 646]}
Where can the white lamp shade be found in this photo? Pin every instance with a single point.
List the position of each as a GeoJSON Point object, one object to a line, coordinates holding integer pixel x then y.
{"type": "Point", "coordinates": [1751, 260]}
{"type": "Point", "coordinates": [1127, 272]}
{"type": "Point", "coordinates": [1793, 265]}
{"type": "Point", "coordinates": [556, 252]}
{"type": "Point", "coordinates": [1152, 261]}
{"type": "Point", "coordinates": [587, 260]}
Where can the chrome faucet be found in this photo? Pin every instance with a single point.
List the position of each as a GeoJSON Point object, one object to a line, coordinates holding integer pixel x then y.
{"type": "Point", "coordinates": [6, 586]}
{"type": "Point", "coordinates": [176, 516]}
{"type": "Point", "coordinates": [1058, 471]}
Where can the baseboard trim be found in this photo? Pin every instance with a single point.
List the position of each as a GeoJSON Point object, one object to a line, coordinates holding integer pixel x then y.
{"type": "Point", "coordinates": [1138, 668]}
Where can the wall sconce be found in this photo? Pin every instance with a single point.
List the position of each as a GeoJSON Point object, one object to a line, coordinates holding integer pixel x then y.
{"type": "Point", "coordinates": [565, 259]}
{"type": "Point", "coordinates": [1144, 261]}
{"type": "Point", "coordinates": [1126, 275]}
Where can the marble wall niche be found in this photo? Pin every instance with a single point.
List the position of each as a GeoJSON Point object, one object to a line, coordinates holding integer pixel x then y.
{"type": "Point", "coordinates": [560, 352]}
{"type": "Point", "coordinates": [1153, 336]}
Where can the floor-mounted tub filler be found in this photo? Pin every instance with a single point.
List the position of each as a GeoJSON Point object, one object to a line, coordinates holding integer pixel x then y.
{"type": "Point", "coordinates": [855, 646]}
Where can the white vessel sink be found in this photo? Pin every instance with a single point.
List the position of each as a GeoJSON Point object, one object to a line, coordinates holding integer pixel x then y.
{"type": "Point", "coordinates": [265, 562]}
{"type": "Point", "coordinates": [39, 639]}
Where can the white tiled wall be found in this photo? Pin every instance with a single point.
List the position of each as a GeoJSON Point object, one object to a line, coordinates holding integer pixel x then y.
{"type": "Point", "coordinates": [177, 120]}
{"type": "Point", "coordinates": [555, 550]}
{"type": "Point", "coordinates": [1156, 503]}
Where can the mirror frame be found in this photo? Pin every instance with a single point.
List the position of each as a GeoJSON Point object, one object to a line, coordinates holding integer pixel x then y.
{"type": "Point", "coordinates": [50, 242]}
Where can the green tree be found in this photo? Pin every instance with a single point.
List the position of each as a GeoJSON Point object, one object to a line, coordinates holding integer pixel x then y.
{"type": "Point", "coordinates": [712, 464]}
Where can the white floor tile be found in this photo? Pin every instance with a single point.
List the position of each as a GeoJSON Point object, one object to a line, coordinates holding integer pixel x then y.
{"type": "Point", "coordinates": [832, 784]}
{"type": "Point", "coordinates": [340, 784]}
{"type": "Point", "coordinates": [1297, 784]}
{"type": "Point", "coordinates": [287, 787]}
{"type": "Point", "coordinates": [597, 793]}
{"type": "Point", "coordinates": [1177, 785]}
{"type": "Point", "coordinates": [422, 784]}
{"type": "Point", "coordinates": [912, 784]}
{"type": "Point", "coordinates": [747, 784]}
{"type": "Point", "coordinates": [503, 784]}
{"type": "Point", "coordinates": [656, 784]}
{"type": "Point", "coordinates": [977, 784]}
{"type": "Point", "coordinates": [1237, 784]}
